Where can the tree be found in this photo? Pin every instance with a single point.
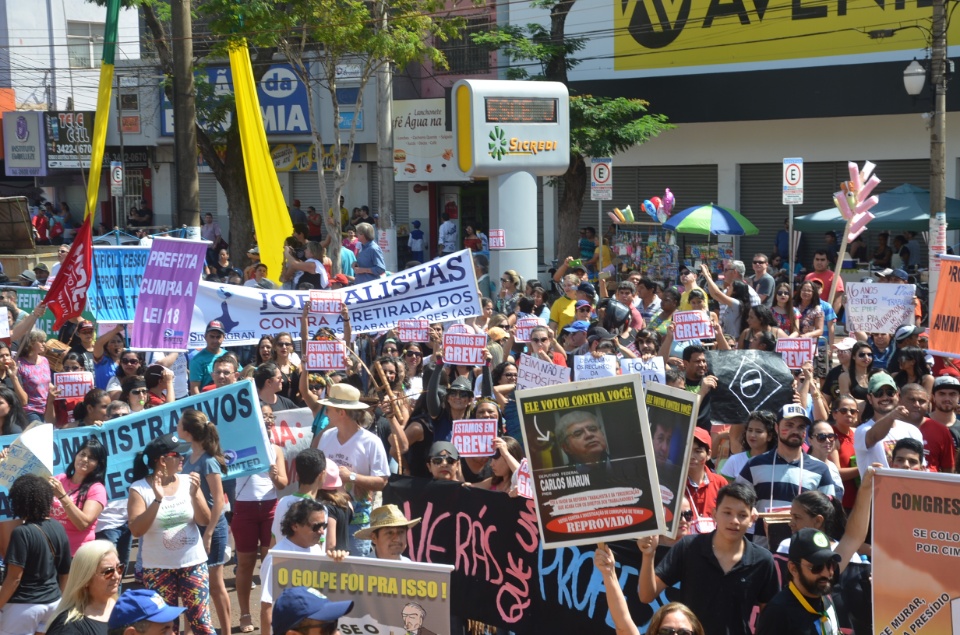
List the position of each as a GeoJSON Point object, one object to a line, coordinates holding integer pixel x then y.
{"type": "Point", "coordinates": [599, 126]}
{"type": "Point", "coordinates": [327, 34]}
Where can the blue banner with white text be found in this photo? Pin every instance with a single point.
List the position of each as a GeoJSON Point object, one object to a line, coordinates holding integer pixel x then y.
{"type": "Point", "coordinates": [115, 287]}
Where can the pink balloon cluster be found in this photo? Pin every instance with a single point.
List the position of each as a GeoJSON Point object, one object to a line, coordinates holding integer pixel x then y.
{"type": "Point", "coordinates": [659, 209]}
{"type": "Point", "coordinates": [854, 199]}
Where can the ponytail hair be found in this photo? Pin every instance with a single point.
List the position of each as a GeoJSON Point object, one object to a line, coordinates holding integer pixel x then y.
{"type": "Point", "coordinates": [89, 400]}
{"type": "Point", "coordinates": [141, 466]}
{"type": "Point", "coordinates": [204, 432]}
{"type": "Point", "coordinates": [817, 503]}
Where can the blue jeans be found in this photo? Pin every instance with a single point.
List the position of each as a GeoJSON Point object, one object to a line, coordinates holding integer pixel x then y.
{"type": "Point", "coordinates": [121, 538]}
{"type": "Point", "coordinates": [33, 416]}
{"type": "Point", "coordinates": [218, 545]}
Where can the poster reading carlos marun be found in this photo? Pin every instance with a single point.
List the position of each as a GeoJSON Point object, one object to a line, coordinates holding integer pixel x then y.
{"type": "Point", "coordinates": [590, 452]}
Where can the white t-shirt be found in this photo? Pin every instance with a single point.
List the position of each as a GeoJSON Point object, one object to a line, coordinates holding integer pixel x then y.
{"type": "Point", "coordinates": [734, 465]}
{"type": "Point", "coordinates": [881, 452]}
{"type": "Point", "coordinates": [181, 373]}
{"type": "Point", "coordinates": [283, 505]}
{"type": "Point", "coordinates": [363, 453]}
{"type": "Point", "coordinates": [266, 567]}
{"type": "Point", "coordinates": [317, 268]}
{"type": "Point", "coordinates": [173, 540]}
{"type": "Point", "coordinates": [113, 515]}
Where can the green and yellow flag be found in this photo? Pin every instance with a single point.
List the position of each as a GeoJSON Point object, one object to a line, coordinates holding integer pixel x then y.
{"type": "Point", "coordinates": [68, 294]}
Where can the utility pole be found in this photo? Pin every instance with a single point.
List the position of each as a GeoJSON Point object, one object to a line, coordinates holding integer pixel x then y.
{"type": "Point", "coordinates": [937, 236]}
{"type": "Point", "coordinates": [184, 116]}
{"type": "Point", "coordinates": [386, 204]}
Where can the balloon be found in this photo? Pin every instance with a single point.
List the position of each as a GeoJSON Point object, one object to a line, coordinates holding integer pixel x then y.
{"type": "Point", "coordinates": [628, 214]}
{"type": "Point", "coordinates": [668, 201]}
{"type": "Point", "coordinates": [657, 202]}
{"type": "Point", "coordinates": [650, 209]}
{"type": "Point", "coordinates": [614, 218]}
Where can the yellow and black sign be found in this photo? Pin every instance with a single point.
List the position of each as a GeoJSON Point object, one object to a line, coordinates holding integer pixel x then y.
{"type": "Point", "coordinates": [654, 34]}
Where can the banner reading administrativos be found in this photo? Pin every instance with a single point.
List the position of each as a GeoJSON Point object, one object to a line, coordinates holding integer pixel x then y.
{"type": "Point", "coordinates": [389, 596]}
{"type": "Point", "coordinates": [115, 286]}
{"type": "Point", "coordinates": [944, 331]}
{"type": "Point", "coordinates": [672, 414]}
{"type": "Point", "coordinates": [592, 460]}
{"type": "Point", "coordinates": [916, 549]}
{"type": "Point", "coordinates": [441, 290]}
{"type": "Point", "coordinates": [168, 292]}
{"type": "Point", "coordinates": [235, 409]}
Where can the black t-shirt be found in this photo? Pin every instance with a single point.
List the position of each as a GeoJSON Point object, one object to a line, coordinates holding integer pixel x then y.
{"type": "Point", "coordinates": [29, 549]}
{"type": "Point", "coordinates": [89, 364]}
{"type": "Point", "coordinates": [723, 601]}
{"type": "Point", "coordinates": [83, 626]}
{"type": "Point", "coordinates": [785, 616]}
{"type": "Point", "coordinates": [831, 383]}
{"type": "Point", "coordinates": [282, 404]}
{"type": "Point", "coordinates": [703, 416]}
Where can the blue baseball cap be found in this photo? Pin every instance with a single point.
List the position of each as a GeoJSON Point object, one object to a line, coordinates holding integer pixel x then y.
{"type": "Point", "coordinates": [300, 603]}
{"type": "Point", "coordinates": [142, 605]}
{"type": "Point", "coordinates": [580, 326]}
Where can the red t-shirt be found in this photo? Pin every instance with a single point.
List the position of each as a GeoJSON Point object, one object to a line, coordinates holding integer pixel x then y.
{"type": "Point", "coordinates": [826, 277]}
{"type": "Point", "coordinates": [704, 495]}
{"type": "Point", "coordinates": [846, 452]}
{"type": "Point", "coordinates": [937, 445]}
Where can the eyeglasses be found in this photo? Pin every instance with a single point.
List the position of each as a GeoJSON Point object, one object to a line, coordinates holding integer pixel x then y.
{"type": "Point", "coordinates": [271, 417]}
{"type": "Point", "coordinates": [864, 355]}
{"type": "Point", "coordinates": [582, 432]}
{"type": "Point", "coordinates": [110, 571]}
{"type": "Point", "coordinates": [505, 280]}
{"type": "Point", "coordinates": [138, 391]}
{"type": "Point", "coordinates": [461, 394]}
{"type": "Point", "coordinates": [674, 631]}
{"type": "Point", "coordinates": [412, 354]}
{"type": "Point", "coordinates": [63, 251]}
{"type": "Point", "coordinates": [130, 361]}
{"type": "Point", "coordinates": [440, 460]}
{"type": "Point", "coordinates": [825, 436]}
{"type": "Point", "coordinates": [318, 526]}
{"type": "Point", "coordinates": [687, 515]}
{"type": "Point", "coordinates": [885, 392]}
{"type": "Point", "coordinates": [847, 411]}
{"type": "Point", "coordinates": [539, 340]}
{"type": "Point", "coordinates": [818, 568]}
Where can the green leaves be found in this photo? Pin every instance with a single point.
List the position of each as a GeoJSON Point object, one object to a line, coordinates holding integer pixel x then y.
{"type": "Point", "coordinates": [498, 143]}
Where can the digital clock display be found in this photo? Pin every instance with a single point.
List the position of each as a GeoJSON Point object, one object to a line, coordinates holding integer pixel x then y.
{"type": "Point", "coordinates": [521, 109]}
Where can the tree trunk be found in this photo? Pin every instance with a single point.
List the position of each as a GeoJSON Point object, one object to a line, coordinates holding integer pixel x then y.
{"type": "Point", "coordinates": [571, 204]}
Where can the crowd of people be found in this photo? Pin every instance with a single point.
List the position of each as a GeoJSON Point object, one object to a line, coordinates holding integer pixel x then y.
{"type": "Point", "coordinates": [868, 399]}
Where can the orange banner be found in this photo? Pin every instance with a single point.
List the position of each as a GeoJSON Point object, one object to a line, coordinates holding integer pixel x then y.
{"type": "Point", "coordinates": [916, 553]}
{"type": "Point", "coordinates": [944, 331]}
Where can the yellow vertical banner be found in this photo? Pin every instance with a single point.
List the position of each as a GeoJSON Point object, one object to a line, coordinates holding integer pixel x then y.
{"type": "Point", "coordinates": [271, 220]}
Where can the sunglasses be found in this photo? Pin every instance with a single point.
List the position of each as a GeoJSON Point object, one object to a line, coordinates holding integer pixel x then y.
{"type": "Point", "coordinates": [130, 361]}
{"type": "Point", "coordinates": [783, 294]}
{"type": "Point", "coordinates": [173, 455]}
{"type": "Point", "coordinates": [674, 631]}
{"type": "Point", "coordinates": [318, 526]}
{"type": "Point", "coordinates": [412, 354]}
{"type": "Point", "coordinates": [687, 515]}
{"type": "Point", "coordinates": [462, 394]}
{"type": "Point", "coordinates": [847, 411]}
{"type": "Point", "coordinates": [285, 344]}
{"type": "Point", "coordinates": [759, 262]}
{"type": "Point", "coordinates": [825, 436]}
{"type": "Point", "coordinates": [505, 280]}
{"type": "Point", "coordinates": [110, 571]}
{"type": "Point", "coordinates": [539, 340]}
{"type": "Point", "coordinates": [440, 460]}
{"type": "Point", "coordinates": [818, 568]}
{"type": "Point", "coordinates": [885, 392]}
{"type": "Point", "coordinates": [864, 355]}
{"type": "Point", "coordinates": [138, 391]}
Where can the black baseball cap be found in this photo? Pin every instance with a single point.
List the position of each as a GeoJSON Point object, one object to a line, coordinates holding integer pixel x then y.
{"type": "Point", "coordinates": [813, 546]}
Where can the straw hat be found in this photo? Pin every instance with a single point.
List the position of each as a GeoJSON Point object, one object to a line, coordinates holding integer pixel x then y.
{"type": "Point", "coordinates": [385, 516]}
{"type": "Point", "coordinates": [344, 396]}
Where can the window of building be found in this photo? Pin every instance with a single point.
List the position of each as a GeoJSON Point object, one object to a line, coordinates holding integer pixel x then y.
{"type": "Point", "coordinates": [463, 56]}
{"type": "Point", "coordinates": [85, 44]}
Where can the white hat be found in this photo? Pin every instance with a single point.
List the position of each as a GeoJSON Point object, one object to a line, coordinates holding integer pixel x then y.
{"type": "Point", "coordinates": [344, 396]}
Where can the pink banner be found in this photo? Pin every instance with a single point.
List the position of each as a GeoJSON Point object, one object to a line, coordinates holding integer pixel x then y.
{"type": "Point", "coordinates": [168, 293]}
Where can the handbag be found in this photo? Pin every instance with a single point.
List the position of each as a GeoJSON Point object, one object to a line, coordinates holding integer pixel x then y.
{"type": "Point", "coordinates": [54, 351]}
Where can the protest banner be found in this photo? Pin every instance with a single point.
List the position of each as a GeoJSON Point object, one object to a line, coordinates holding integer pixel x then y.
{"type": "Point", "coordinates": [441, 290]}
{"type": "Point", "coordinates": [389, 596]}
{"type": "Point", "coordinates": [325, 355]}
{"type": "Point", "coordinates": [460, 328]}
{"type": "Point", "coordinates": [672, 414]}
{"type": "Point", "coordinates": [463, 348]}
{"type": "Point", "coordinates": [30, 453]}
{"type": "Point", "coordinates": [944, 330]}
{"type": "Point", "coordinates": [501, 575]}
{"type": "Point", "coordinates": [916, 544]}
{"type": "Point", "coordinates": [73, 385]}
{"type": "Point", "coordinates": [587, 367]}
{"type": "Point", "coordinates": [292, 432]}
{"type": "Point", "coordinates": [651, 370]}
{"type": "Point", "coordinates": [874, 307]}
{"type": "Point", "coordinates": [27, 299]}
{"type": "Point", "coordinates": [235, 409]}
{"type": "Point", "coordinates": [525, 479]}
{"type": "Point", "coordinates": [533, 372]}
{"type": "Point", "coordinates": [474, 437]}
{"type": "Point", "coordinates": [524, 326]}
{"type": "Point", "coordinates": [4, 323]}
{"type": "Point", "coordinates": [746, 381]}
{"type": "Point", "coordinates": [692, 325]}
{"type": "Point", "coordinates": [115, 285]}
{"type": "Point", "coordinates": [592, 460]}
{"type": "Point", "coordinates": [797, 351]}
{"type": "Point", "coordinates": [322, 301]}
{"type": "Point", "coordinates": [168, 293]}
{"type": "Point", "coordinates": [413, 330]}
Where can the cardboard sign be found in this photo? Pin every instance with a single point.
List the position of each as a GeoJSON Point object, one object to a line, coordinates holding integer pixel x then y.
{"type": "Point", "coordinates": [533, 372]}
{"type": "Point", "coordinates": [692, 325]}
{"type": "Point", "coordinates": [497, 239]}
{"type": "Point", "coordinates": [30, 453]}
{"type": "Point", "coordinates": [474, 437]}
{"type": "Point", "coordinates": [413, 330]}
{"type": "Point", "coordinates": [453, 329]}
{"type": "Point", "coordinates": [464, 348]}
{"type": "Point", "coordinates": [589, 367]}
{"type": "Point", "coordinates": [652, 370]}
{"type": "Point", "coordinates": [796, 351]}
{"type": "Point", "coordinates": [524, 326]}
{"type": "Point", "coordinates": [4, 322]}
{"type": "Point", "coordinates": [747, 381]}
{"type": "Point", "coordinates": [73, 385]}
{"type": "Point", "coordinates": [524, 480]}
{"type": "Point", "coordinates": [325, 301]}
{"type": "Point", "coordinates": [879, 307]}
{"type": "Point", "coordinates": [325, 355]}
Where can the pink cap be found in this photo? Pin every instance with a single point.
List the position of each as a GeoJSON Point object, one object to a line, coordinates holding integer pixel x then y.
{"type": "Point", "coordinates": [331, 479]}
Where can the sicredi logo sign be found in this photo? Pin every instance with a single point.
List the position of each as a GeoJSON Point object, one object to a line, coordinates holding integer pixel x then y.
{"type": "Point", "coordinates": [501, 146]}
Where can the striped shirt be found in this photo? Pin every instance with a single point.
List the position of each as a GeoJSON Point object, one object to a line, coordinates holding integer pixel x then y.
{"type": "Point", "coordinates": [778, 481]}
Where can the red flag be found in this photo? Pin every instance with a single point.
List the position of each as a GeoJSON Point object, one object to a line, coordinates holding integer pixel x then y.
{"type": "Point", "coordinates": [67, 296]}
